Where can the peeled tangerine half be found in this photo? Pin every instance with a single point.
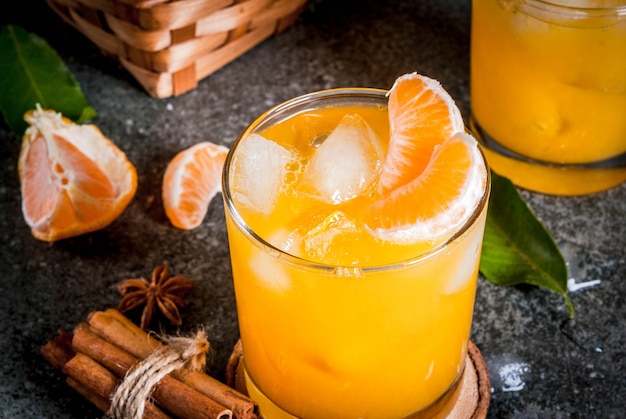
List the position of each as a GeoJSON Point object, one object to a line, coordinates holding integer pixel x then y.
{"type": "Point", "coordinates": [74, 180]}
{"type": "Point", "coordinates": [434, 174]}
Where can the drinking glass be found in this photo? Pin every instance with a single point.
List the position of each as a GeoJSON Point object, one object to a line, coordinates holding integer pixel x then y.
{"type": "Point", "coordinates": [359, 340]}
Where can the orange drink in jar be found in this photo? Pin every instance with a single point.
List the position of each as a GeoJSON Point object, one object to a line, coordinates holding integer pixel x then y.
{"type": "Point", "coordinates": [548, 92]}
{"type": "Point", "coordinates": [355, 222]}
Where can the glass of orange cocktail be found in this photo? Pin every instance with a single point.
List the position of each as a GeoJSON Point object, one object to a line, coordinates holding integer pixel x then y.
{"type": "Point", "coordinates": [355, 272]}
{"type": "Point", "coordinates": [548, 91]}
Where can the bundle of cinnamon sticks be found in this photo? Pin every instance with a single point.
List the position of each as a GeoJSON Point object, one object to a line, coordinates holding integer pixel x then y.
{"type": "Point", "coordinates": [97, 354]}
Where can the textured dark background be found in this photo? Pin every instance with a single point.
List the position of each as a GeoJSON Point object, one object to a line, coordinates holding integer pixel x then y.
{"type": "Point", "coordinates": [562, 368]}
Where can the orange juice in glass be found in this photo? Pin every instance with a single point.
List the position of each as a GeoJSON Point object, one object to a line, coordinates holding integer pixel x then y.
{"type": "Point", "coordinates": [344, 310]}
{"type": "Point", "coordinates": [548, 92]}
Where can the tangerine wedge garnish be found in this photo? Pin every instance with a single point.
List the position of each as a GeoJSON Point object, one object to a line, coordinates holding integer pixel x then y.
{"type": "Point", "coordinates": [434, 174]}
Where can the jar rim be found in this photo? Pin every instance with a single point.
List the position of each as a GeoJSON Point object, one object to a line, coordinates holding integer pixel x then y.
{"type": "Point", "coordinates": [572, 13]}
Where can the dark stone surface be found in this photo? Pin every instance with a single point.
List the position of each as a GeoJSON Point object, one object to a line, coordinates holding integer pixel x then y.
{"type": "Point", "coordinates": [569, 368]}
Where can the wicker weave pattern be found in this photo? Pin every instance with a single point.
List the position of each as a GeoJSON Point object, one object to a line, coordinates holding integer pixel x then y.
{"type": "Point", "coordinates": [170, 45]}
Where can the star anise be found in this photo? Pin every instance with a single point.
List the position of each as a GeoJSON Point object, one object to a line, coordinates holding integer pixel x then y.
{"type": "Point", "coordinates": [163, 293]}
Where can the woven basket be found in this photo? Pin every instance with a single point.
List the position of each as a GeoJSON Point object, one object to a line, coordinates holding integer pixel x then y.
{"type": "Point", "coordinates": [170, 45]}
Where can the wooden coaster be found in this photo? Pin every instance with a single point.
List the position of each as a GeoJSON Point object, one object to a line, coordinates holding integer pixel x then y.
{"type": "Point", "coordinates": [469, 400]}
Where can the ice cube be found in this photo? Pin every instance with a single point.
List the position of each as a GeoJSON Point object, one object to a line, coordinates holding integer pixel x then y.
{"type": "Point", "coordinates": [269, 271]}
{"type": "Point", "coordinates": [259, 168]}
{"type": "Point", "coordinates": [311, 130]}
{"type": "Point", "coordinates": [285, 240]}
{"type": "Point", "coordinates": [346, 164]}
{"type": "Point", "coordinates": [322, 241]}
{"type": "Point", "coordinates": [290, 238]}
{"type": "Point", "coordinates": [465, 267]}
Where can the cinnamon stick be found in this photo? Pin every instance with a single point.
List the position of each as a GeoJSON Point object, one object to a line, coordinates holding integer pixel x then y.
{"type": "Point", "coordinates": [120, 331]}
{"type": "Point", "coordinates": [95, 356]}
{"type": "Point", "coordinates": [242, 406]}
{"type": "Point", "coordinates": [58, 352]}
{"type": "Point", "coordinates": [98, 401]}
{"type": "Point", "coordinates": [91, 375]}
{"type": "Point", "coordinates": [97, 383]}
{"type": "Point", "coordinates": [176, 397]}
{"type": "Point", "coordinates": [150, 412]}
{"type": "Point", "coordinates": [117, 329]}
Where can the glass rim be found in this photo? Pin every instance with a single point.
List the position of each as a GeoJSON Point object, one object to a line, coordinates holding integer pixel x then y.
{"type": "Point", "coordinates": [300, 102]}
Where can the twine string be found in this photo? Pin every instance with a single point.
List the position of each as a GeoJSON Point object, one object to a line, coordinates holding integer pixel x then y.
{"type": "Point", "coordinates": [130, 397]}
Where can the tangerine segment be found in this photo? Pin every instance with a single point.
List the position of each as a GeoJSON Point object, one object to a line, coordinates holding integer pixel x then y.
{"type": "Point", "coordinates": [438, 201]}
{"type": "Point", "coordinates": [421, 115]}
{"type": "Point", "coordinates": [191, 180]}
{"type": "Point", "coordinates": [73, 179]}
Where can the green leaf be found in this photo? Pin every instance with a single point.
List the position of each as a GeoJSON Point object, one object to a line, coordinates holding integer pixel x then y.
{"type": "Point", "coordinates": [32, 72]}
{"type": "Point", "coordinates": [517, 248]}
